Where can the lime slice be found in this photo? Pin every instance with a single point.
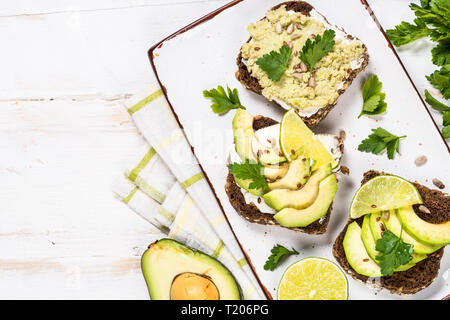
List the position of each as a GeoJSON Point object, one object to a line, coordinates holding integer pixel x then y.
{"type": "Point", "coordinates": [313, 279]}
{"type": "Point", "coordinates": [383, 193]}
{"type": "Point", "coordinates": [296, 139]}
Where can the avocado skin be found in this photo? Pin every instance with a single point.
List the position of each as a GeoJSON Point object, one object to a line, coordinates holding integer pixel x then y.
{"type": "Point", "coordinates": [152, 272]}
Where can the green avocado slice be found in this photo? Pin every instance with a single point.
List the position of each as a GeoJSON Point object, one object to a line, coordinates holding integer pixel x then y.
{"type": "Point", "coordinates": [247, 144]}
{"type": "Point", "coordinates": [297, 175]}
{"type": "Point", "coordinates": [433, 234]}
{"type": "Point", "coordinates": [356, 253]}
{"type": "Point", "coordinates": [166, 259]}
{"type": "Point", "coordinates": [298, 199]}
{"type": "Point", "coordinates": [394, 225]}
{"type": "Point", "coordinates": [370, 245]}
{"type": "Point", "coordinates": [290, 217]}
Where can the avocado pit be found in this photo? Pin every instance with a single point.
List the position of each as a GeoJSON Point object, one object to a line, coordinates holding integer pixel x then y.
{"type": "Point", "coordinates": [193, 286]}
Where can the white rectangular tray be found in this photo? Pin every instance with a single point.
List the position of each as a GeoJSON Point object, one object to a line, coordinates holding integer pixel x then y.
{"type": "Point", "coordinates": [203, 55]}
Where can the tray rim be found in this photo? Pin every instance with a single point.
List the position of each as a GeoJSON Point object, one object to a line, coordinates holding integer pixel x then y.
{"type": "Point", "coordinates": [210, 16]}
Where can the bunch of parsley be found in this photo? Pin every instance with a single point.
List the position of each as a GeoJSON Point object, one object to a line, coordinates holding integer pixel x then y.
{"type": "Point", "coordinates": [432, 20]}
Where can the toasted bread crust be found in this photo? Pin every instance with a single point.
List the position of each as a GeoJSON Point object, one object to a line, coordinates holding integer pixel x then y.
{"type": "Point", "coordinates": [252, 84]}
{"type": "Point", "coordinates": [250, 211]}
{"type": "Point", "coordinates": [423, 273]}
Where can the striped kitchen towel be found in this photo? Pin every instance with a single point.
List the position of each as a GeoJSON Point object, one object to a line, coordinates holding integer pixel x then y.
{"type": "Point", "coordinates": [167, 188]}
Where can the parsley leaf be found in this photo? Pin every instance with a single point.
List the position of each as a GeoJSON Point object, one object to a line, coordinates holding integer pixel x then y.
{"type": "Point", "coordinates": [441, 53]}
{"type": "Point", "coordinates": [223, 102]}
{"type": "Point", "coordinates": [278, 254]}
{"type": "Point", "coordinates": [275, 63]}
{"type": "Point", "coordinates": [394, 253]}
{"type": "Point", "coordinates": [434, 103]}
{"type": "Point", "coordinates": [250, 171]}
{"type": "Point", "coordinates": [446, 123]}
{"type": "Point", "coordinates": [440, 79]}
{"type": "Point", "coordinates": [312, 52]}
{"type": "Point", "coordinates": [407, 32]}
{"type": "Point", "coordinates": [380, 140]}
{"type": "Point", "coordinates": [373, 98]}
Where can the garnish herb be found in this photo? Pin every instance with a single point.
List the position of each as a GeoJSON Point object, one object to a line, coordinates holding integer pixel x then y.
{"type": "Point", "coordinates": [373, 98]}
{"type": "Point", "coordinates": [393, 252]}
{"type": "Point", "coordinates": [250, 171]}
{"type": "Point", "coordinates": [432, 20]}
{"type": "Point", "coordinates": [312, 52]}
{"type": "Point", "coordinates": [440, 79]}
{"type": "Point", "coordinates": [446, 123]}
{"type": "Point", "coordinates": [278, 253]}
{"type": "Point", "coordinates": [439, 106]}
{"type": "Point", "coordinates": [223, 102]}
{"type": "Point", "coordinates": [275, 63]}
{"type": "Point", "coordinates": [380, 140]}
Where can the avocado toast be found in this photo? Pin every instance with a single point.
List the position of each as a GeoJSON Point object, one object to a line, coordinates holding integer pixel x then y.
{"type": "Point", "coordinates": [312, 90]}
{"type": "Point", "coordinates": [298, 195]}
{"type": "Point", "coordinates": [356, 247]}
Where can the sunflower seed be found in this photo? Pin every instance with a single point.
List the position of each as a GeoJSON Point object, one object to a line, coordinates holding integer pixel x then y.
{"type": "Point", "coordinates": [438, 183]}
{"type": "Point", "coordinates": [290, 29]}
{"type": "Point", "coordinates": [424, 209]}
{"type": "Point", "coordinates": [312, 82]}
{"type": "Point", "coordinates": [303, 66]}
{"type": "Point", "coordinates": [295, 36]}
{"type": "Point", "coordinates": [420, 161]}
{"type": "Point", "coordinates": [278, 28]}
{"type": "Point", "coordinates": [297, 75]}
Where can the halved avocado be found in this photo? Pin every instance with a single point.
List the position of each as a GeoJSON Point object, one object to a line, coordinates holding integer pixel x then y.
{"type": "Point", "coordinates": [371, 245]}
{"type": "Point", "coordinates": [297, 175]}
{"type": "Point", "coordinates": [394, 225]}
{"type": "Point", "coordinates": [174, 271]}
{"type": "Point", "coordinates": [290, 217]}
{"type": "Point", "coordinates": [298, 199]}
{"type": "Point", "coordinates": [247, 144]}
{"type": "Point", "coordinates": [434, 234]}
{"type": "Point", "coordinates": [356, 253]}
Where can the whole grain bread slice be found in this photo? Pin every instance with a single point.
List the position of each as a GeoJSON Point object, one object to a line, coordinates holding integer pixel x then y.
{"type": "Point", "coordinates": [252, 84]}
{"type": "Point", "coordinates": [250, 211]}
{"type": "Point", "coordinates": [423, 273]}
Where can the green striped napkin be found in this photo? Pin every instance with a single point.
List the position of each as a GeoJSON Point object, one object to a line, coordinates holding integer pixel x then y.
{"type": "Point", "coordinates": [167, 188]}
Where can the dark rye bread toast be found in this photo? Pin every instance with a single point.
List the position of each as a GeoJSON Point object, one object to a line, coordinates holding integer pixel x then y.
{"type": "Point", "coordinates": [423, 273]}
{"type": "Point", "coordinates": [252, 84]}
{"type": "Point", "coordinates": [251, 213]}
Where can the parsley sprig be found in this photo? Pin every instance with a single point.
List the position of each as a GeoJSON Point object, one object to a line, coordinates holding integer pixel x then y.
{"type": "Point", "coordinates": [223, 102]}
{"type": "Point", "coordinates": [373, 98]}
{"type": "Point", "coordinates": [275, 63]}
{"type": "Point", "coordinates": [315, 50]}
{"type": "Point", "coordinates": [380, 140]}
{"type": "Point", "coordinates": [278, 253]}
{"type": "Point", "coordinates": [393, 252]}
{"type": "Point", "coordinates": [250, 171]}
{"type": "Point", "coordinates": [432, 20]}
{"type": "Point", "coordinates": [439, 106]}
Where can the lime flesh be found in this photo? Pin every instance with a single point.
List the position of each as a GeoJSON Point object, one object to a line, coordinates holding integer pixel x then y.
{"type": "Point", "coordinates": [382, 193]}
{"type": "Point", "coordinates": [313, 279]}
{"type": "Point", "coordinates": [296, 139]}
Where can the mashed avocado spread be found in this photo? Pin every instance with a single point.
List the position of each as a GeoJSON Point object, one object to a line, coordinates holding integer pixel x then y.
{"type": "Point", "coordinates": [294, 88]}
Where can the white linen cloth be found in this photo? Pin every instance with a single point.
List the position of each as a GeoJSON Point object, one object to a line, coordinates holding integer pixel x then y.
{"type": "Point", "coordinates": [168, 189]}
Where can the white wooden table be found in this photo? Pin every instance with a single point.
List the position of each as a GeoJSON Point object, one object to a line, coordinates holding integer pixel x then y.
{"type": "Point", "coordinates": [67, 67]}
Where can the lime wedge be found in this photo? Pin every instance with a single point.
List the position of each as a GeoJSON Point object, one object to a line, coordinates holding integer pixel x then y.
{"type": "Point", "coordinates": [313, 279]}
{"type": "Point", "coordinates": [296, 139]}
{"type": "Point", "coordinates": [383, 193]}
